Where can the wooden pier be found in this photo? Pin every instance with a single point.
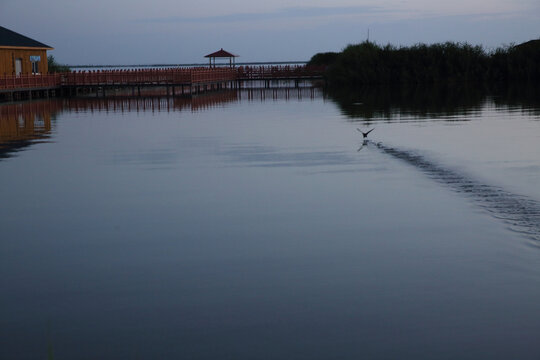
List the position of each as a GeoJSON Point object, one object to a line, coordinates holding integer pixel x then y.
{"type": "Point", "coordinates": [29, 86]}
{"type": "Point", "coordinates": [176, 81]}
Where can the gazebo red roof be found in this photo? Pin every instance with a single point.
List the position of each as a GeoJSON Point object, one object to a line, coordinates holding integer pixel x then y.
{"type": "Point", "coordinates": [221, 54]}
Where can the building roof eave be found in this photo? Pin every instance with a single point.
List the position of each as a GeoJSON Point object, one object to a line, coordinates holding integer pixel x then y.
{"type": "Point", "coordinates": [25, 47]}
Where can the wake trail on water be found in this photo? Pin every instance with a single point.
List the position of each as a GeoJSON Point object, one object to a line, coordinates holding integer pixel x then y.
{"type": "Point", "coordinates": [520, 213]}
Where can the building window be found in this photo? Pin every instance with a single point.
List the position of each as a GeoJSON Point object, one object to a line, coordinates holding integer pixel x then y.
{"type": "Point", "coordinates": [35, 59]}
{"type": "Point", "coordinates": [35, 68]}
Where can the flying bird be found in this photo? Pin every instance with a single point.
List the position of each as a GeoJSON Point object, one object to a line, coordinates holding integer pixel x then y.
{"type": "Point", "coordinates": [365, 134]}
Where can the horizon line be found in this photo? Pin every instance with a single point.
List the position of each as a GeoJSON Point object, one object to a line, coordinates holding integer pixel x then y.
{"type": "Point", "coordinates": [192, 64]}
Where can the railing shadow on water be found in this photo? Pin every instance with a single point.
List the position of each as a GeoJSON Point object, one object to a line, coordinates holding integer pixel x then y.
{"type": "Point", "coordinates": [448, 102]}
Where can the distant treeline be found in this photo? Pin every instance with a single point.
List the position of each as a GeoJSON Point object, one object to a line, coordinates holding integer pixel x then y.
{"type": "Point", "coordinates": [369, 63]}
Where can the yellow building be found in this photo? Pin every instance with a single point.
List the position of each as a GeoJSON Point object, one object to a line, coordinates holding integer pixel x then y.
{"type": "Point", "coordinates": [21, 55]}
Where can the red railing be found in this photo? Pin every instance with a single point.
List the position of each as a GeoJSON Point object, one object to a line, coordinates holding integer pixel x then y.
{"type": "Point", "coordinates": [158, 76]}
{"type": "Point", "coordinates": [149, 77]}
{"type": "Point", "coordinates": [206, 75]}
{"type": "Point", "coordinates": [29, 81]}
{"type": "Point", "coordinates": [128, 77]}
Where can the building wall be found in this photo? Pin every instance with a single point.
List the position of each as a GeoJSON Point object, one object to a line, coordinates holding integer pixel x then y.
{"type": "Point", "coordinates": [8, 56]}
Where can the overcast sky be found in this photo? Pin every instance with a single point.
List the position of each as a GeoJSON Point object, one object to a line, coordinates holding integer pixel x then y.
{"type": "Point", "coordinates": [178, 31]}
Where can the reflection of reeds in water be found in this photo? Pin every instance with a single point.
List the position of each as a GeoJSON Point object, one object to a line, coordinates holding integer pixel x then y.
{"type": "Point", "coordinates": [456, 102]}
{"type": "Point", "coordinates": [520, 213]}
{"type": "Point", "coordinates": [390, 102]}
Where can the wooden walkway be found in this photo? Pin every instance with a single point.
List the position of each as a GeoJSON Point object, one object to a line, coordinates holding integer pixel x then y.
{"type": "Point", "coordinates": [177, 81]}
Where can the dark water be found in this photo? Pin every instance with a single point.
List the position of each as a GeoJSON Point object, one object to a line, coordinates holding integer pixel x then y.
{"type": "Point", "coordinates": [258, 225]}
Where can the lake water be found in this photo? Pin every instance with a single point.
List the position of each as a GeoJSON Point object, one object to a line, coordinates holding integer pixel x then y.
{"type": "Point", "coordinates": [258, 225]}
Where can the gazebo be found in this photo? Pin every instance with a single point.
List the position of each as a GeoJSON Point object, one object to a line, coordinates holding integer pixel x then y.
{"type": "Point", "coordinates": [221, 54]}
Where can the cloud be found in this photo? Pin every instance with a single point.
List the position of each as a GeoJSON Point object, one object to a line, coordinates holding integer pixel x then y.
{"type": "Point", "coordinates": [286, 13]}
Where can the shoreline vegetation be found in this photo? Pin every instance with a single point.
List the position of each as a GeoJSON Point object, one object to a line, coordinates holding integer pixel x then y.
{"type": "Point", "coordinates": [368, 63]}
{"type": "Point", "coordinates": [55, 67]}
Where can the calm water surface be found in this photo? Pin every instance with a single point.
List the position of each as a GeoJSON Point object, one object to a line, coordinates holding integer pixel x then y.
{"type": "Point", "coordinates": [258, 225]}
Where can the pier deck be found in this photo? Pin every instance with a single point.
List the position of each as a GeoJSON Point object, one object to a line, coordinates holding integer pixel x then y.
{"type": "Point", "coordinates": [177, 81]}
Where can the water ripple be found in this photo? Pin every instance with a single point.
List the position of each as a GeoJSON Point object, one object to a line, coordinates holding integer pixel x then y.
{"type": "Point", "coordinates": [261, 156]}
{"type": "Point", "coordinates": [520, 213]}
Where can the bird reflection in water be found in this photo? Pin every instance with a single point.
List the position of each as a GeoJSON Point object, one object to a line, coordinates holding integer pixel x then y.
{"type": "Point", "coordinates": [364, 143]}
{"type": "Point", "coordinates": [364, 135]}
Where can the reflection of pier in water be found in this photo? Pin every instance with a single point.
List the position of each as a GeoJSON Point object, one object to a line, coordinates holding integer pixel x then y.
{"type": "Point", "coordinates": [159, 102]}
{"type": "Point", "coordinates": [24, 124]}
{"type": "Point", "coordinates": [27, 123]}
{"type": "Point", "coordinates": [149, 103]}
{"type": "Point", "coordinates": [280, 93]}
